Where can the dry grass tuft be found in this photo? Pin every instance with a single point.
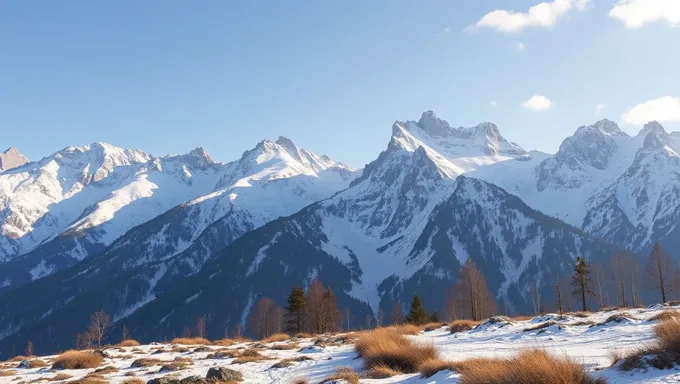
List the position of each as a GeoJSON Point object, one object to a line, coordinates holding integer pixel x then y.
{"type": "Point", "coordinates": [664, 354]}
{"type": "Point", "coordinates": [388, 347]}
{"type": "Point", "coordinates": [146, 362]}
{"type": "Point", "coordinates": [618, 318]}
{"type": "Point", "coordinates": [303, 335]}
{"type": "Point", "coordinates": [190, 341]}
{"type": "Point", "coordinates": [284, 347]}
{"type": "Point", "coordinates": [432, 326]}
{"type": "Point", "coordinates": [381, 372]}
{"type": "Point", "coordinates": [249, 356]}
{"type": "Point", "coordinates": [300, 380]}
{"type": "Point", "coordinates": [58, 377]}
{"type": "Point", "coordinates": [345, 373]}
{"type": "Point", "coordinates": [540, 326]}
{"type": "Point", "coordinates": [431, 367]}
{"type": "Point", "coordinates": [532, 366]}
{"type": "Point", "coordinates": [129, 343]}
{"type": "Point", "coordinates": [578, 314]}
{"type": "Point", "coordinates": [36, 364]}
{"type": "Point", "coordinates": [106, 370]}
{"type": "Point", "coordinates": [666, 315]}
{"type": "Point", "coordinates": [276, 338]}
{"type": "Point", "coordinates": [90, 379]}
{"type": "Point", "coordinates": [134, 381]}
{"type": "Point", "coordinates": [7, 373]}
{"type": "Point", "coordinates": [668, 334]}
{"type": "Point", "coordinates": [77, 360]}
{"type": "Point", "coordinates": [290, 362]}
{"type": "Point", "coordinates": [462, 325]}
{"type": "Point", "coordinates": [522, 318]}
{"type": "Point", "coordinates": [223, 342]}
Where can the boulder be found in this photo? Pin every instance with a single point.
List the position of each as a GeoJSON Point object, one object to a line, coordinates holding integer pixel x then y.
{"type": "Point", "coordinates": [224, 374]}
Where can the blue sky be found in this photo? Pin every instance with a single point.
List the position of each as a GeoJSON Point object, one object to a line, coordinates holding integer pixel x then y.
{"type": "Point", "coordinates": [166, 76]}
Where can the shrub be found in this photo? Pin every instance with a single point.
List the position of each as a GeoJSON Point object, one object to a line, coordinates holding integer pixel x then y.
{"type": "Point", "coordinates": [303, 335]}
{"type": "Point", "coordinates": [462, 325]}
{"type": "Point", "coordinates": [190, 341]}
{"type": "Point", "coordinates": [276, 337]}
{"type": "Point", "coordinates": [381, 372]}
{"type": "Point", "coordinates": [77, 360]}
{"type": "Point", "coordinates": [344, 373]}
{"type": "Point", "coordinates": [532, 366]}
{"type": "Point", "coordinates": [129, 343]}
{"type": "Point", "coordinates": [432, 326]}
{"type": "Point", "coordinates": [666, 315]}
{"type": "Point", "coordinates": [387, 347]}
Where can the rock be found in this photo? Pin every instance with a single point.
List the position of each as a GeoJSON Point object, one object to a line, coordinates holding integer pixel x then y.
{"type": "Point", "coordinates": [224, 374]}
{"type": "Point", "coordinates": [193, 380]}
{"type": "Point", "coordinates": [25, 364]}
{"type": "Point", "coordinates": [163, 380]}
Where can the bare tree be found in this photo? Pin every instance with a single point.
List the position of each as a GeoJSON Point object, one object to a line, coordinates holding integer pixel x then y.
{"type": "Point", "coordinates": [315, 306]}
{"type": "Point", "coordinates": [331, 312]}
{"type": "Point", "coordinates": [397, 314]}
{"type": "Point", "coordinates": [125, 334]}
{"type": "Point", "coordinates": [200, 327]}
{"type": "Point", "coordinates": [620, 264]}
{"type": "Point", "coordinates": [535, 297]}
{"type": "Point", "coordinates": [473, 293]}
{"type": "Point", "coordinates": [381, 317]}
{"type": "Point", "coordinates": [600, 281]}
{"type": "Point", "coordinates": [449, 311]}
{"type": "Point", "coordinates": [348, 317]}
{"type": "Point", "coordinates": [558, 299]}
{"type": "Point", "coordinates": [100, 322]}
{"type": "Point", "coordinates": [28, 351]}
{"type": "Point", "coordinates": [660, 272]}
{"type": "Point", "coordinates": [634, 280]}
{"type": "Point", "coordinates": [262, 320]}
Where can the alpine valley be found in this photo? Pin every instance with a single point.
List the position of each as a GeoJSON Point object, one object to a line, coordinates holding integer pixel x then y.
{"type": "Point", "coordinates": [160, 241]}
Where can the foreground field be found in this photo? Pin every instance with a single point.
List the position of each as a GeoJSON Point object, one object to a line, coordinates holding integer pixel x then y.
{"type": "Point", "coordinates": [592, 340]}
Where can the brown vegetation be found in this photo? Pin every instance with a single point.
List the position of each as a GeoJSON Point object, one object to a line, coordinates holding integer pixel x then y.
{"type": "Point", "coordinates": [381, 372]}
{"type": "Point", "coordinates": [666, 315]}
{"type": "Point", "coordinates": [77, 360]}
{"type": "Point", "coordinates": [129, 343]}
{"type": "Point", "coordinates": [249, 356]}
{"type": "Point", "coordinates": [190, 341]}
{"type": "Point", "coordinates": [462, 325]}
{"type": "Point", "coordinates": [387, 347]}
{"type": "Point", "coordinates": [345, 373]}
{"type": "Point", "coordinates": [106, 370]}
{"type": "Point", "coordinates": [276, 338]}
{"type": "Point", "coordinates": [134, 381]}
{"type": "Point", "coordinates": [528, 367]}
{"type": "Point", "coordinates": [7, 373]}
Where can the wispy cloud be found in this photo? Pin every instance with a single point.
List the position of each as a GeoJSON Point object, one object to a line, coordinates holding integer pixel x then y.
{"type": "Point", "coordinates": [636, 13]}
{"type": "Point", "coordinates": [537, 103]}
{"type": "Point", "coordinates": [494, 103]}
{"type": "Point", "coordinates": [543, 15]}
{"type": "Point", "coordinates": [599, 108]}
{"type": "Point", "coordinates": [664, 109]}
{"type": "Point", "coordinates": [447, 29]}
{"type": "Point", "coordinates": [521, 46]}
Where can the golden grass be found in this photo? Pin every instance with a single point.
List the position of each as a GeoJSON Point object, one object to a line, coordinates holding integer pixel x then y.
{"type": "Point", "coordinates": [284, 347]}
{"type": "Point", "coordinates": [106, 370]}
{"type": "Point", "coordinates": [462, 325]}
{"type": "Point", "coordinates": [345, 373]}
{"type": "Point", "coordinates": [7, 373]}
{"type": "Point", "coordinates": [129, 343]}
{"type": "Point", "coordinates": [381, 372]}
{"type": "Point", "coordinates": [663, 354]}
{"type": "Point", "coordinates": [249, 356]}
{"type": "Point", "coordinates": [666, 315]}
{"type": "Point", "coordinates": [432, 366]}
{"type": "Point", "coordinates": [223, 342]}
{"type": "Point", "coordinates": [387, 347]}
{"type": "Point", "coordinates": [303, 335]}
{"type": "Point", "coordinates": [89, 379]}
{"type": "Point", "coordinates": [190, 341]}
{"type": "Point", "coordinates": [276, 338]}
{"type": "Point", "coordinates": [533, 366]}
{"type": "Point", "coordinates": [432, 326]}
{"type": "Point", "coordinates": [522, 318]}
{"type": "Point", "coordinates": [134, 381]}
{"type": "Point", "coordinates": [77, 360]}
{"type": "Point", "coordinates": [58, 377]}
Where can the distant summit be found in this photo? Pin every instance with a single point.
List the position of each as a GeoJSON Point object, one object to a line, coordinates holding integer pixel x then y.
{"type": "Point", "coordinates": [11, 158]}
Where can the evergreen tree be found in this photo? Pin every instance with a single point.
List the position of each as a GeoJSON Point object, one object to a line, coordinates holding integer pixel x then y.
{"type": "Point", "coordinates": [296, 310]}
{"type": "Point", "coordinates": [581, 280]}
{"type": "Point", "coordinates": [418, 314]}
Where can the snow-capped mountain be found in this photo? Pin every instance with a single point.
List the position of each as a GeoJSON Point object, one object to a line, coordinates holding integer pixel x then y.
{"type": "Point", "coordinates": [11, 158]}
{"type": "Point", "coordinates": [274, 179]}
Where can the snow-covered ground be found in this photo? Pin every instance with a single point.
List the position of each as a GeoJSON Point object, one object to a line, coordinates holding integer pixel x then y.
{"type": "Point", "coordinates": [588, 340]}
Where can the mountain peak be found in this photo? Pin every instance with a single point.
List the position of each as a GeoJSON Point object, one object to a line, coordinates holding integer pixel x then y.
{"type": "Point", "coordinates": [11, 158]}
{"type": "Point", "coordinates": [287, 144]}
{"type": "Point", "coordinates": [433, 125]}
{"type": "Point", "coordinates": [652, 126]}
{"type": "Point", "coordinates": [604, 126]}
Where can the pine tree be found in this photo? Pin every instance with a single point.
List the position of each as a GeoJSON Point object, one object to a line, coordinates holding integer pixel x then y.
{"type": "Point", "coordinates": [296, 310]}
{"type": "Point", "coordinates": [581, 281]}
{"type": "Point", "coordinates": [418, 314]}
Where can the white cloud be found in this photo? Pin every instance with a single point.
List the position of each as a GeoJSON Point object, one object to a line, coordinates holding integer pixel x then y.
{"type": "Point", "coordinates": [521, 46]}
{"type": "Point", "coordinates": [494, 103]}
{"type": "Point", "coordinates": [537, 103]}
{"type": "Point", "coordinates": [447, 29]}
{"type": "Point", "coordinates": [636, 13]}
{"type": "Point", "coordinates": [665, 109]}
{"type": "Point", "coordinates": [599, 107]}
{"type": "Point", "coordinates": [543, 15]}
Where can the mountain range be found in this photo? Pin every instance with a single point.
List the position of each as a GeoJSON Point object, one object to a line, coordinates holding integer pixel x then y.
{"type": "Point", "coordinates": [160, 241]}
